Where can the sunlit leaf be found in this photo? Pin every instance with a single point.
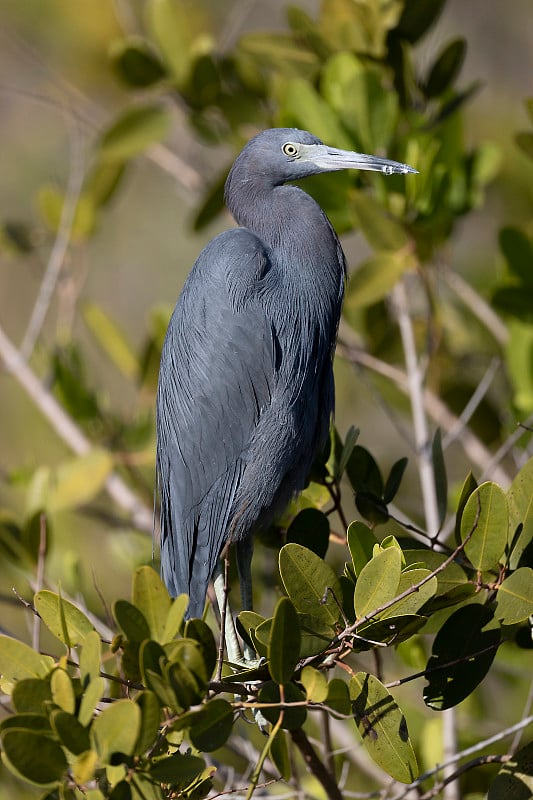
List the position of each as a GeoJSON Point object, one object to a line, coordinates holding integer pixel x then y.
{"type": "Point", "coordinates": [78, 481]}
{"type": "Point", "coordinates": [383, 727]}
{"type": "Point", "coordinates": [116, 728]}
{"type": "Point", "coordinates": [310, 583]}
{"type": "Point", "coordinates": [50, 606]}
{"type": "Point", "coordinates": [151, 597]}
{"type": "Point", "coordinates": [315, 684]}
{"type": "Point", "coordinates": [62, 690]}
{"type": "Point", "coordinates": [515, 597]}
{"type": "Point", "coordinates": [111, 340]}
{"type": "Point", "coordinates": [378, 581]}
{"type": "Point", "coordinates": [18, 661]}
{"type": "Point", "coordinates": [486, 514]}
{"type": "Point", "coordinates": [361, 543]}
{"type": "Point", "coordinates": [376, 277]}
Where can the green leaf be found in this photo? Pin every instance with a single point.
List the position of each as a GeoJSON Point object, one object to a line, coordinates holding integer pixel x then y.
{"type": "Point", "coordinates": [171, 25]}
{"type": "Point", "coordinates": [136, 62]}
{"type": "Point", "coordinates": [37, 723]}
{"type": "Point", "coordinates": [515, 597]}
{"type": "Point", "coordinates": [89, 700]}
{"type": "Point", "coordinates": [378, 581]}
{"type": "Point", "coordinates": [293, 718]}
{"type": "Point", "coordinates": [38, 759]}
{"type": "Point", "coordinates": [363, 472]}
{"type": "Point", "coordinates": [131, 621]}
{"type": "Point", "coordinates": [310, 528]}
{"type": "Point", "coordinates": [445, 69]}
{"type": "Point", "coordinates": [389, 630]}
{"type": "Point", "coordinates": [175, 617]}
{"type": "Point", "coordinates": [30, 694]}
{"type": "Point", "coordinates": [90, 656]}
{"type": "Point", "coordinates": [310, 582]}
{"type": "Point", "coordinates": [469, 485]}
{"type": "Point", "coordinates": [413, 602]}
{"type": "Point", "coordinates": [151, 597]}
{"type": "Point", "coordinates": [315, 634]}
{"type": "Point", "coordinates": [150, 721]}
{"type": "Point", "coordinates": [133, 132]}
{"type": "Point", "coordinates": [393, 481]}
{"type": "Point", "coordinates": [51, 201]}
{"type": "Point", "coordinates": [284, 642]}
{"type": "Point", "coordinates": [211, 725]}
{"type": "Point", "coordinates": [383, 728]}
{"type": "Point", "coordinates": [72, 734]}
{"type": "Point", "coordinates": [517, 249]}
{"type": "Point", "coordinates": [515, 778]}
{"type": "Point", "coordinates": [116, 729]}
{"type": "Point", "coordinates": [279, 753]}
{"type": "Point", "coordinates": [439, 473]}
{"type": "Point", "coordinates": [78, 480]}
{"type": "Point", "coordinates": [487, 515]}
{"type": "Point", "coordinates": [450, 682]}
{"type": "Point", "coordinates": [303, 107]}
{"type": "Point", "coordinates": [62, 690]}
{"type": "Point", "coordinates": [18, 661]}
{"type": "Point", "coordinates": [112, 341]}
{"type": "Point", "coordinates": [417, 17]}
{"type": "Point", "coordinates": [384, 233]}
{"type": "Point", "coordinates": [50, 607]}
{"type": "Point", "coordinates": [450, 578]}
{"type": "Point", "coordinates": [361, 543]}
{"type": "Point", "coordinates": [524, 140]}
{"type": "Point", "coordinates": [179, 770]}
{"type": "Point", "coordinates": [201, 633]}
{"type": "Point", "coordinates": [520, 500]}
{"type": "Point", "coordinates": [248, 621]}
{"type": "Point", "coordinates": [346, 452]}
{"type": "Point", "coordinates": [338, 697]}
{"type": "Point", "coordinates": [315, 684]}
{"type": "Point", "coordinates": [83, 770]}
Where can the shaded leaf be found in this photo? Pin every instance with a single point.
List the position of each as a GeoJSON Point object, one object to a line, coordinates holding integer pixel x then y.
{"type": "Point", "coordinates": [136, 62]}
{"type": "Point", "coordinates": [439, 473]}
{"type": "Point", "coordinates": [384, 233]}
{"type": "Point", "coordinates": [293, 718]}
{"type": "Point", "coordinates": [150, 721]}
{"type": "Point", "coordinates": [520, 500]}
{"type": "Point", "coordinates": [211, 725]}
{"type": "Point", "coordinates": [134, 131]}
{"type": "Point", "coordinates": [363, 472]}
{"type": "Point", "coordinates": [279, 753]}
{"type": "Point", "coordinates": [131, 621]}
{"type": "Point", "coordinates": [515, 778]}
{"type": "Point", "coordinates": [417, 17]}
{"type": "Point", "coordinates": [487, 515]}
{"type": "Point", "coordinates": [338, 697]}
{"type": "Point", "coordinates": [517, 249]}
{"type": "Point", "coordinates": [469, 485]}
{"type": "Point", "coordinates": [446, 68]}
{"type": "Point", "coordinates": [392, 483]}
{"type": "Point", "coordinates": [524, 140]}
{"type": "Point", "coordinates": [202, 634]}
{"type": "Point", "coordinates": [29, 694]}
{"type": "Point", "coordinates": [449, 682]}
{"type": "Point", "coordinates": [178, 770]}
{"type": "Point", "coordinates": [515, 597]}
{"type": "Point", "coordinates": [36, 758]}
{"type": "Point", "coordinates": [284, 642]}
{"type": "Point", "coordinates": [51, 607]}
{"type": "Point", "coordinates": [72, 734]}
{"type": "Point", "coordinates": [413, 602]}
{"type": "Point", "coordinates": [310, 528]}
{"type": "Point", "coordinates": [346, 452]}
{"type": "Point", "coordinates": [389, 630]}
{"type": "Point", "coordinates": [383, 727]}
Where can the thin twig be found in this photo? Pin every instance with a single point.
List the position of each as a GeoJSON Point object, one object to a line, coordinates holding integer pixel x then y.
{"type": "Point", "coordinates": [477, 396]}
{"type": "Point", "coordinates": [70, 433]}
{"type": "Point", "coordinates": [61, 243]}
{"type": "Point", "coordinates": [477, 305]}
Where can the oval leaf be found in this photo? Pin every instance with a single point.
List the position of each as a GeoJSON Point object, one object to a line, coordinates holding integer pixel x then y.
{"type": "Point", "coordinates": [116, 729]}
{"type": "Point", "coordinates": [58, 614]}
{"type": "Point", "coordinates": [309, 582]}
{"type": "Point", "coordinates": [383, 728]}
{"type": "Point", "coordinates": [515, 597]}
{"type": "Point", "coordinates": [36, 758]}
{"type": "Point", "coordinates": [18, 661]}
{"type": "Point", "coordinates": [152, 599]}
{"type": "Point", "coordinates": [315, 684]}
{"type": "Point", "coordinates": [486, 514]}
{"type": "Point", "coordinates": [212, 725]}
{"type": "Point", "coordinates": [520, 499]}
{"type": "Point", "coordinates": [77, 481]}
{"type": "Point", "coordinates": [284, 642]}
{"type": "Point", "coordinates": [378, 582]}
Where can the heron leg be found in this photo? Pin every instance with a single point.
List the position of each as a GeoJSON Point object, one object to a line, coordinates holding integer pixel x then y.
{"type": "Point", "coordinates": [229, 634]}
{"type": "Point", "coordinates": [244, 550]}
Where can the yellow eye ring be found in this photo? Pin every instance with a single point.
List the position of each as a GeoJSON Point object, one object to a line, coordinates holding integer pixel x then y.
{"type": "Point", "coordinates": [290, 149]}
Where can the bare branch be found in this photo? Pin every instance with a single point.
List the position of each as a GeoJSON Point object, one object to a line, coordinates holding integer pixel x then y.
{"type": "Point", "coordinates": [477, 305]}
{"type": "Point", "coordinates": [70, 433]}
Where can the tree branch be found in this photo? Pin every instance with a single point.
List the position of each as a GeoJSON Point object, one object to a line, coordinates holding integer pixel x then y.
{"type": "Point", "coordinates": [316, 766]}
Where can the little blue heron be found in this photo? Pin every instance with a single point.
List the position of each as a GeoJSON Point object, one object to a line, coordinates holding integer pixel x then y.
{"type": "Point", "coordinates": [245, 392]}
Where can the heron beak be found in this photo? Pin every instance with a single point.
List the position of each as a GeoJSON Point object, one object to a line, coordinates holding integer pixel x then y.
{"type": "Point", "coordinates": [330, 159]}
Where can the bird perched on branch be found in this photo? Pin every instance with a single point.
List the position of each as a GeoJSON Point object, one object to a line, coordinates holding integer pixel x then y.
{"type": "Point", "coordinates": [246, 392]}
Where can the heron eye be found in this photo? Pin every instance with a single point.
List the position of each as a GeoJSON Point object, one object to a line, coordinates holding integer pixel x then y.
{"type": "Point", "coordinates": [290, 149]}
